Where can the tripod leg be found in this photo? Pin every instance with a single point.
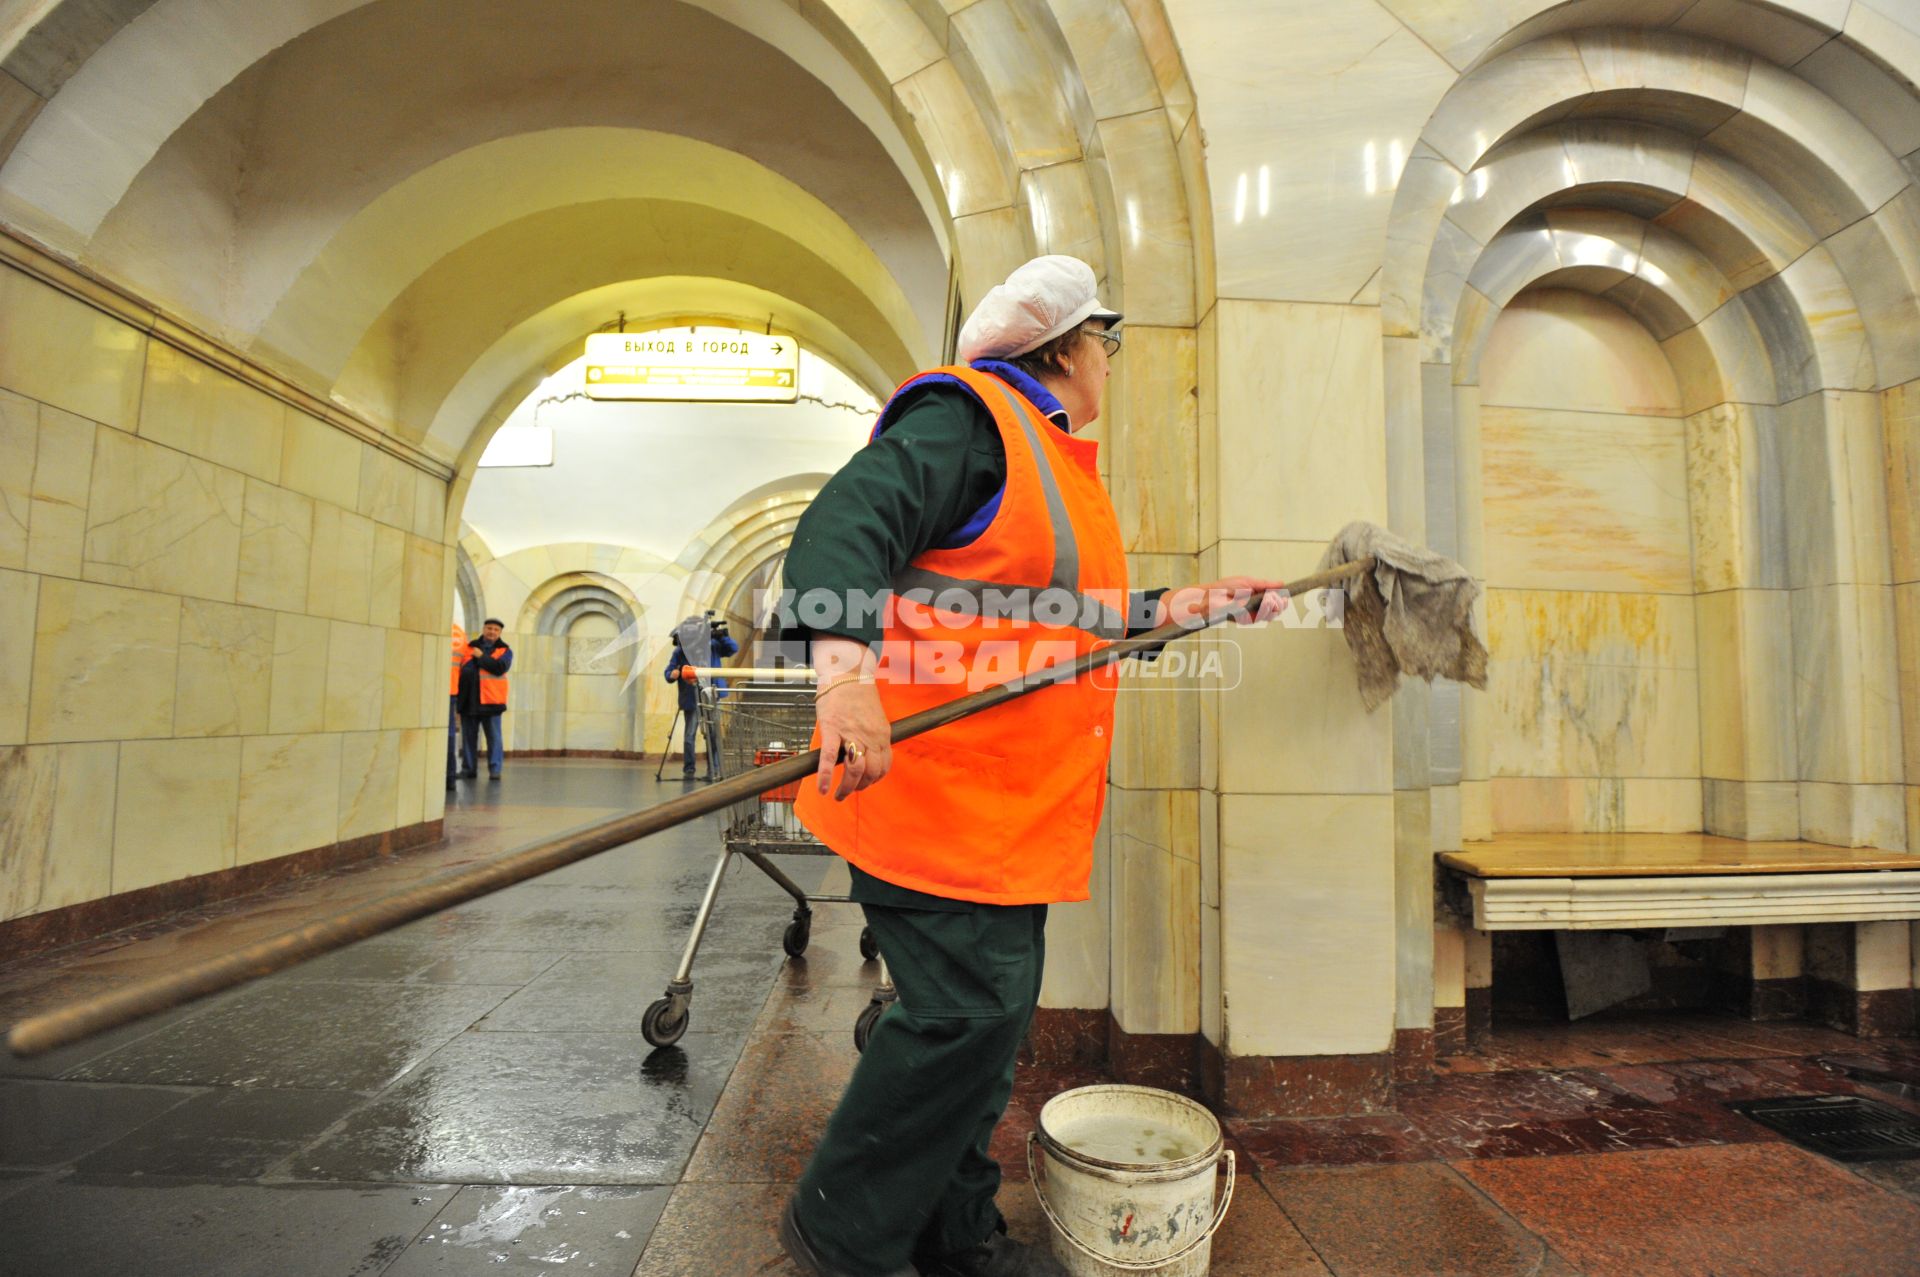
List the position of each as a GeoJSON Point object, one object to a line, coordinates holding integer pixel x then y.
{"type": "Point", "coordinates": [668, 747]}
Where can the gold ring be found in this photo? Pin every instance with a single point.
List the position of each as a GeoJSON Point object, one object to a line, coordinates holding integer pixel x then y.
{"type": "Point", "coordinates": [855, 751]}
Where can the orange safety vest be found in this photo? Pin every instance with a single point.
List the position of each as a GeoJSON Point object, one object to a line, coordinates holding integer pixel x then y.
{"type": "Point", "coordinates": [1001, 807]}
{"type": "Point", "coordinates": [459, 659]}
{"type": "Point", "coordinates": [493, 687]}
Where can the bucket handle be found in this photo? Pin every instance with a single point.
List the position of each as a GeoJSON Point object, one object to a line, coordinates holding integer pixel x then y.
{"type": "Point", "coordinates": [1136, 1265]}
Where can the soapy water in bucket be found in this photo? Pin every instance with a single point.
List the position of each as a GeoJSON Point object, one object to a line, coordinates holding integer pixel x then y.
{"type": "Point", "coordinates": [1127, 1140]}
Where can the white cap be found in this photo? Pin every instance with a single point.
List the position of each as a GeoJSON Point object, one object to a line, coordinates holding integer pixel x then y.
{"type": "Point", "coordinates": [1039, 301]}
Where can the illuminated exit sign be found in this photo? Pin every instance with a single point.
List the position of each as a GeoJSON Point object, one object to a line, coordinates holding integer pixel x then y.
{"type": "Point", "coordinates": [687, 363]}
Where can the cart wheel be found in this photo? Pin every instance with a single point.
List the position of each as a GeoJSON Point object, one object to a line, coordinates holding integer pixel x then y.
{"type": "Point", "coordinates": [863, 1027]}
{"type": "Point", "coordinates": [660, 1026]}
{"type": "Point", "coordinates": [869, 947]}
{"type": "Point", "coordinates": [798, 932]}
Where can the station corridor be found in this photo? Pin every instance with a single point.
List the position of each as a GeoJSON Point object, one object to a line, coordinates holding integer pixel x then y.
{"type": "Point", "coordinates": [471, 1095]}
{"type": "Point", "coordinates": [618, 384]}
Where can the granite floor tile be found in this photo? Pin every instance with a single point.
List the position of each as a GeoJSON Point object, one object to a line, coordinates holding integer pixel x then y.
{"type": "Point", "coordinates": [47, 1124]}
{"type": "Point", "coordinates": [610, 993]}
{"type": "Point", "coordinates": [67, 1060]}
{"type": "Point", "coordinates": [1523, 1114]}
{"type": "Point", "coordinates": [1422, 1219]}
{"type": "Point", "coordinates": [831, 966]}
{"type": "Point", "coordinates": [485, 966]}
{"type": "Point", "coordinates": [805, 1009]}
{"type": "Point", "coordinates": [304, 1036]}
{"type": "Point", "coordinates": [1899, 1177]}
{"type": "Point", "coordinates": [368, 962]}
{"type": "Point", "coordinates": [719, 1230]}
{"type": "Point", "coordinates": [223, 1134]}
{"type": "Point", "coordinates": [729, 1230]}
{"type": "Point", "coordinates": [1744, 1209]}
{"type": "Point", "coordinates": [1336, 1141]}
{"type": "Point", "coordinates": [12, 1182]}
{"type": "Point", "coordinates": [527, 1108]}
{"type": "Point", "coordinates": [534, 1230]}
{"type": "Point", "coordinates": [1605, 1041]}
{"type": "Point", "coordinates": [775, 1107]}
{"type": "Point", "coordinates": [593, 919]}
{"type": "Point", "coordinates": [173, 1228]}
{"type": "Point", "coordinates": [1465, 1111]}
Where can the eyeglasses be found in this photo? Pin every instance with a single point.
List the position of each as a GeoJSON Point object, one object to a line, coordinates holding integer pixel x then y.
{"type": "Point", "coordinates": [1111, 341]}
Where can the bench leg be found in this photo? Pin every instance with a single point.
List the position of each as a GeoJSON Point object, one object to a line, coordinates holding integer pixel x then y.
{"type": "Point", "coordinates": [1761, 972]}
{"type": "Point", "coordinates": [1462, 987]}
{"type": "Point", "coordinates": [1860, 977]}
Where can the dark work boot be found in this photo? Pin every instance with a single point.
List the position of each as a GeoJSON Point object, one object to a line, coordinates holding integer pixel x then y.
{"type": "Point", "coordinates": [802, 1253]}
{"type": "Point", "coordinates": [998, 1256]}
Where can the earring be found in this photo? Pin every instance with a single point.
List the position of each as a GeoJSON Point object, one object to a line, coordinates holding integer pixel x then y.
{"type": "Point", "coordinates": [1069, 370]}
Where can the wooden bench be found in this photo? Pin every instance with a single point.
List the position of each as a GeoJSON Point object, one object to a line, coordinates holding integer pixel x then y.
{"type": "Point", "coordinates": [1596, 882]}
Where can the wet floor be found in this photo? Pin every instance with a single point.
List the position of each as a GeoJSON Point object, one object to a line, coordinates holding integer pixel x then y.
{"type": "Point", "coordinates": [470, 1093]}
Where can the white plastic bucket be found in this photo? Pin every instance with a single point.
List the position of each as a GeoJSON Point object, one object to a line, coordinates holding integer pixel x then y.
{"type": "Point", "coordinates": [1129, 1181]}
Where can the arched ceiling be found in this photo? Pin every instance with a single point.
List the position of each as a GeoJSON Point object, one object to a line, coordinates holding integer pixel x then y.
{"type": "Point", "coordinates": [410, 204]}
{"type": "Point", "coordinates": [660, 301]}
{"type": "Point", "coordinates": [401, 234]}
{"type": "Point", "coordinates": [301, 180]}
{"type": "Point", "coordinates": [434, 333]}
{"type": "Point", "coordinates": [1757, 226]}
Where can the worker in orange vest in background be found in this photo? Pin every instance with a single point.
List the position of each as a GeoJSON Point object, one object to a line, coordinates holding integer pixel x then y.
{"type": "Point", "coordinates": [453, 700]}
{"type": "Point", "coordinates": [481, 696]}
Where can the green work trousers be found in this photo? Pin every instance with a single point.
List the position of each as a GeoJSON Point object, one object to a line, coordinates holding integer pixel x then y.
{"type": "Point", "coordinates": [903, 1171]}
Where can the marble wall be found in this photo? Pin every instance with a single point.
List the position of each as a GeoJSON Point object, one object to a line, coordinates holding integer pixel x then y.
{"type": "Point", "coordinates": [1293, 226]}
{"type": "Point", "coordinates": [1592, 708]}
{"type": "Point", "coordinates": [564, 691]}
{"type": "Point", "coordinates": [223, 634]}
{"type": "Point", "coordinates": [1659, 659]}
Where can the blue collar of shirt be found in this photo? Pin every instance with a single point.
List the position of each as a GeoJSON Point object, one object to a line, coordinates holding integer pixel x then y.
{"type": "Point", "coordinates": [1023, 381]}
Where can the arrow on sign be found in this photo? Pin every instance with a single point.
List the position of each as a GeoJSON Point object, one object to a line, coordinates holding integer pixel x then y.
{"type": "Point", "coordinates": [778, 348]}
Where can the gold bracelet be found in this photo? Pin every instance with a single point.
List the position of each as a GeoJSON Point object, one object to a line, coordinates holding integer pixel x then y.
{"type": "Point", "coordinates": [851, 676]}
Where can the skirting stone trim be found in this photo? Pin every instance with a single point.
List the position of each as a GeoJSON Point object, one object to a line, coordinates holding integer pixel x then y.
{"type": "Point", "coordinates": [1871, 1013]}
{"type": "Point", "coordinates": [1784, 998]}
{"type": "Point", "coordinates": [1260, 1086]}
{"type": "Point", "coordinates": [1243, 1086]}
{"type": "Point", "coordinates": [1169, 1061]}
{"type": "Point", "coordinates": [1449, 1031]}
{"type": "Point", "coordinates": [1479, 1012]}
{"type": "Point", "coordinates": [1067, 1037]}
{"type": "Point", "coordinates": [1413, 1055]}
{"type": "Point", "coordinates": [74, 924]}
{"type": "Point", "coordinates": [630, 755]}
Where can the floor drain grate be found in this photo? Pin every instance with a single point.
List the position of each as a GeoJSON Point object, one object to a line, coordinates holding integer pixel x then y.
{"type": "Point", "coordinates": [1846, 1128]}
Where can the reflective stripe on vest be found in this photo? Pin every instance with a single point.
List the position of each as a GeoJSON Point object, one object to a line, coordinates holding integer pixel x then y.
{"type": "Point", "coordinates": [459, 659]}
{"type": "Point", "coordinates": [1098, 615]}
{"type": "Point", "coordinates": [1001, 807]}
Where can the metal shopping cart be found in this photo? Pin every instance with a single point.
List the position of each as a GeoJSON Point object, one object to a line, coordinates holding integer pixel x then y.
{"type": "Point", "coordinates": [761, 716]}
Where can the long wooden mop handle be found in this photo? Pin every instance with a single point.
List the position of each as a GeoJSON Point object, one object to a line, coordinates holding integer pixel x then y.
{"type": "Point", "coordinates": [88, 1016]}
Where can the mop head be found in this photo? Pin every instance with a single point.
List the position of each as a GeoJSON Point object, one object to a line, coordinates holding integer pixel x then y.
{"type": "Point", "coordinates": [1413, 614]}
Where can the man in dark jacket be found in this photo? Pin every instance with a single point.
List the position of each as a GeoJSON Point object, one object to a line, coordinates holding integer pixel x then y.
{"type": "Point", "coordinates": [482, 699]}
{"type": "Point", "coordinates": [710, 643]}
